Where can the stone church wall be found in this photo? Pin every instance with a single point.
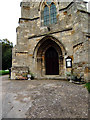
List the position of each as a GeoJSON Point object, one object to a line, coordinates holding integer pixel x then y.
{"type": "Point", "coordinates": [71, 30]}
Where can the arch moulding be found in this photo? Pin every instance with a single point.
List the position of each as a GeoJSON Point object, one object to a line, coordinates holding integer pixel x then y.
{"type": "Point", "coordinates": [40, 43]}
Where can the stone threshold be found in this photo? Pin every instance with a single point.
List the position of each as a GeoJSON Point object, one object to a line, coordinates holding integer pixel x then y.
{"type": "Point", "coordinates": [48, 77]}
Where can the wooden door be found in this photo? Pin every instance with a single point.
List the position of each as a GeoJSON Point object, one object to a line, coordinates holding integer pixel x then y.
{"type": "Point", "coordinates": [51, 62]}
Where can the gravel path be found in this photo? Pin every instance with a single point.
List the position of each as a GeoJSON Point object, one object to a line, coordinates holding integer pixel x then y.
{"type": "Point", "coordinates": [43, 99]}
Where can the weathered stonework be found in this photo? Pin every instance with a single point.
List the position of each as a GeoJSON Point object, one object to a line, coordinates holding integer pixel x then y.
{"type": "Point", "coordinates": [69, 37]}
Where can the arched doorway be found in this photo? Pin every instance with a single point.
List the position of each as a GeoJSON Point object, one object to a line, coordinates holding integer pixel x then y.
{"type": "Point", "coordinates": [51, 62]}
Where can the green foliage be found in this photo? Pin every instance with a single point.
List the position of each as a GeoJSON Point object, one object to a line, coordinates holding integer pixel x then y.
{"type": "Point", "coordinates": [32, 75]}
{"type": "Point", "coordinates": [68, 74]}
{"type": "Point", "coordinates": [73, 76]}
{"type": "Point", "coordinates": [6, 54]}
{"type": "Point", "coordinates": [4, 72]}
{"type": "Point", "coordinates": [87, 85]}
{"type": "Point", "coordinates": [24, 74]}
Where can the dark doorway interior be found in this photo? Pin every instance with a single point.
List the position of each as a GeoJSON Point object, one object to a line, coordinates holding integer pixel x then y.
{"type": "Point", "coordinates": [51, 62]}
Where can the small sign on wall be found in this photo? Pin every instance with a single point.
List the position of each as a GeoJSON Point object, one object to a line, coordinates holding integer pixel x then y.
{"type": "Point", "coordinates": [68, 62]}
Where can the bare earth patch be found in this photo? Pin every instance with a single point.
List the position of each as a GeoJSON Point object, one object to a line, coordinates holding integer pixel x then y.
{"type": "Point", "coordinates": [43, 99]}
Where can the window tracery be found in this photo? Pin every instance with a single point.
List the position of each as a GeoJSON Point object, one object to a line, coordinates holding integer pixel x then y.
{"type": "Point", "coordinates": [49, 14]}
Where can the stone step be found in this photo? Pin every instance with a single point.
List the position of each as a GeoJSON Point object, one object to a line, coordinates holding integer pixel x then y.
{"type": "Point", "coordinates": [51, 78]}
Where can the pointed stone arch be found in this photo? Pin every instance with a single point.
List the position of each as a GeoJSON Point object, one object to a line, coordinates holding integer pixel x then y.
{"type": "Point", "coordinates": [40, 50]}
{"type": "Point", "coordinates": [60, 44]}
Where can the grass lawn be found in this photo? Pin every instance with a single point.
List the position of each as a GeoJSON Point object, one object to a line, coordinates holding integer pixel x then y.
{"type": "Point", "coordinates": [4, 72]}
{"type": "Point", "coordinates": [87, 85]}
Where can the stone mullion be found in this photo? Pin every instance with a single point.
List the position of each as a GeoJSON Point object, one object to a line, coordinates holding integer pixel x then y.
{"type": "Point", "coordinates": [49, 14]}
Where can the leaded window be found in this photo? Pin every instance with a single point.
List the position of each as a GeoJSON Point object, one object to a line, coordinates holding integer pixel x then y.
{"type": "Point", "coordinates": [53, 14]}
{"type": "Point", "coordinates": [49, 14]}
{"type": "Point", "coordinates": [46, 15]}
